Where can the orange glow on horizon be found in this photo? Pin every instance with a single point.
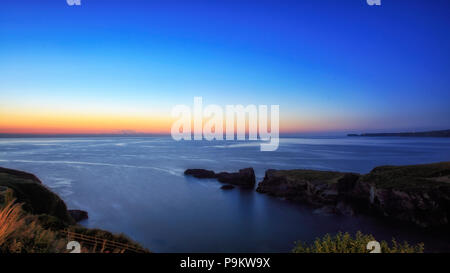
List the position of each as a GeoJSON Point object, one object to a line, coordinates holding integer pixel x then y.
{"type": "Point", "coordinates": [41, 122]}
{"type": "Point", "coordinates": [70, 123]}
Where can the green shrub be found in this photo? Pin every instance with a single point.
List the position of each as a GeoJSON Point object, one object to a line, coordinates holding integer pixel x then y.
{"type": "Point", "coordinates": [345, 243]}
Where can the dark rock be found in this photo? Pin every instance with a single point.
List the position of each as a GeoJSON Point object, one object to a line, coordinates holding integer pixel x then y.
{"type": "Point", "coordinates": [200, 173]}
{"type": "Point", "coordinates": [78, 215]}
{"type": "Point", "coordinates": [347, 183]}
{"type": "Point", "coordinates": [227, 187]}
{"type": "Point", "coordinates": [244, 178]}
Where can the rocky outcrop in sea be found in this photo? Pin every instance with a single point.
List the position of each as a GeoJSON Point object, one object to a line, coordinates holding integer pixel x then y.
{"type": "Point", "coordinates": [419, 194]}
{"type": "Point", "coordinates": [244, 177]}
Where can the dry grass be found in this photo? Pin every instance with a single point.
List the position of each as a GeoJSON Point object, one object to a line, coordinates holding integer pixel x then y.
{"type": "Point", "coordinates": [22, 233]}
{"type": "Point", "coordinates": [11, 220]}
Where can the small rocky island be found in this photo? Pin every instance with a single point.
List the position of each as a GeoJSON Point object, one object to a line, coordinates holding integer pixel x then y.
{"type": "Point", "coordinates": [419, 194]}
{"type": "Point", "coordinates": [244, 178]}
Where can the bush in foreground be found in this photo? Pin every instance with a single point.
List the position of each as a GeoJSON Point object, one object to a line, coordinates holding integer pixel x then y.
{"type": "Point", "coordinates": [345, 243]}
{"type": "Point", "coordinates": [22, 233]}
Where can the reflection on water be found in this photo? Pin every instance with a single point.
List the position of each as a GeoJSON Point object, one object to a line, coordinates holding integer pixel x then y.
{"type": "Point", "coordinates": [136, 186]}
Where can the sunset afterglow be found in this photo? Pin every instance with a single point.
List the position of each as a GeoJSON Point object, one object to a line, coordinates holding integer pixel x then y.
{"type": "Point", "coordinates": [123, 65]}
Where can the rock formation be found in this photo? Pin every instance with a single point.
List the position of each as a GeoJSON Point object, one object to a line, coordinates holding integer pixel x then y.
{"type": "Point", "coordinates": [244, 178]}
{"type": "Point", "coordinates": [418, 194]}
{"type": "Point", "coordinates": [78, 215]}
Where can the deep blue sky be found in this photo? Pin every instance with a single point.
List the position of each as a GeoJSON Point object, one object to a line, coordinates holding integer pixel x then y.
{"type": "Point", "coordinates": [330, 65]}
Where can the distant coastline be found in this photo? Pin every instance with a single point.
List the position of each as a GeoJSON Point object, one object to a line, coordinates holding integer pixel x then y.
{"type": "Point", "coordinates": [441, 133]}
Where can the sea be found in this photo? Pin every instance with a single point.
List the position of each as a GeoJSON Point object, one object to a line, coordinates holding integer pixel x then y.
{"type": "Point", "coordinates": [136, 186]}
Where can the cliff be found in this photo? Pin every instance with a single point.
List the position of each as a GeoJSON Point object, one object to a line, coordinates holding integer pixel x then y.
{"type": "Point", "coordinates": [419, 194]}
{"type": "Point", "coordinates": [36, 198]}
{"type": "Point", "coordinates": [40, 220]}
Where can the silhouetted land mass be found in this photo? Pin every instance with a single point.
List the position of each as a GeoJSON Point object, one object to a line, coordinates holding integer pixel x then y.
{"type": "Point", "coordinates": [442, 133]}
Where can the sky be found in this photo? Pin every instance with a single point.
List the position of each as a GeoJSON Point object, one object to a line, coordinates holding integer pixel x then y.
{"type": "Point", "coordinates": [332, 66]}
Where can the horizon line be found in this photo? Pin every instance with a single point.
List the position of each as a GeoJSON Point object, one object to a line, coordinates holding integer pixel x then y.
{"type": "Point", "coordinates": [121, 134]}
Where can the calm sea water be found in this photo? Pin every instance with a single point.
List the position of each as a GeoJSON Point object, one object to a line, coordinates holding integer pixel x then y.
{"type": "Point", "coordinates": [136, 186]}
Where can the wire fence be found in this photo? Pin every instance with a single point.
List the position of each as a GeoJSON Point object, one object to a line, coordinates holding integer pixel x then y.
{"type": "Point", "coordinates": [100, 244]}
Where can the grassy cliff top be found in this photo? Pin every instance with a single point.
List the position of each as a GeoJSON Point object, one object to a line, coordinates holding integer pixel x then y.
{"type": "Point", "coordinates": [411, 177]}
{"type": "Point", "coordinates": [312, 176]}
{"type": "Point", "coordinates": [423, 176]}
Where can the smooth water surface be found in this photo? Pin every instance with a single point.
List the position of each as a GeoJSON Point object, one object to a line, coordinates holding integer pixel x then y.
{"type": "Point", "coordinates": [136, 185]}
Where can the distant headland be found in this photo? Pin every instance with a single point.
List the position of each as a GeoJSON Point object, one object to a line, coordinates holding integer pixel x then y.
{"type": "Point", "coordinates": [441, 133]}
